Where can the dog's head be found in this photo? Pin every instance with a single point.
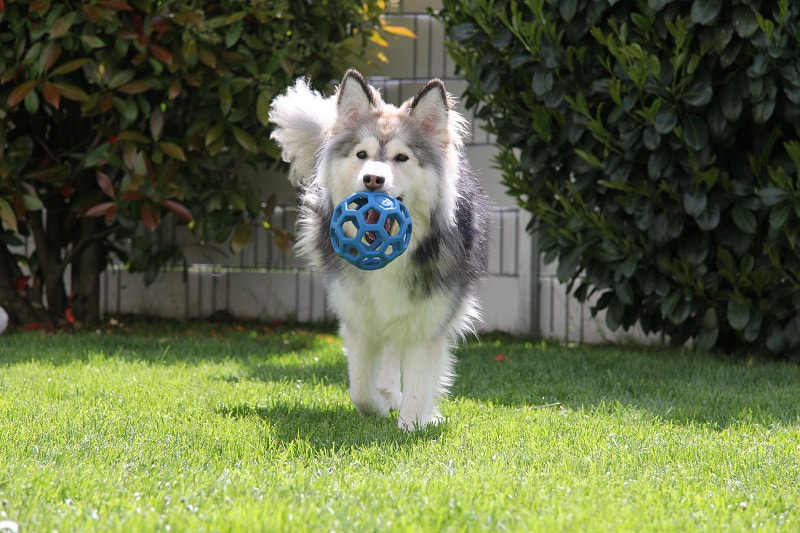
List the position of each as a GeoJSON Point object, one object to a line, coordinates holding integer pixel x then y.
{"type": "Point", "coordinates": [410, 152]}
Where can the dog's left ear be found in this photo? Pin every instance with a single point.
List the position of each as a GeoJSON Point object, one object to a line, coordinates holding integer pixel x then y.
{"type": "Point", "coordinates": [429, 108]}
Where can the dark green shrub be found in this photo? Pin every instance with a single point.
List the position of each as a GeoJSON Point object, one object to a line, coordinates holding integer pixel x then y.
{"type": "Point", "coordinates": [656, 143]}
{"type": "Point", "coordinates": [116, 113]}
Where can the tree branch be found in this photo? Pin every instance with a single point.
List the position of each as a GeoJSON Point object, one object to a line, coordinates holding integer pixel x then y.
{"type": "Point", "coordinates": [85, 241]}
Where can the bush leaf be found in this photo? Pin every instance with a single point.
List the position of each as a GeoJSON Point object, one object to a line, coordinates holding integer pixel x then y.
{"type": "Point", "coordinates": [695, 132]}
{"type": "Point", "coordinates": [705, 11]}
{"type": "Point", "coordinates": [738, 313]}
{"type": "Point", "coordinates": [244, 139]}
{"type": "Point", "coordinates": [7, 215]}
{"type": "Point", "coordinates": [71, 92]}
{"type": "Point", "coordinates": [744, 219]}
{"type": "Point", "coordinates": [173, 150]}
{"type": "Point", "coordinates": [694, 203]}
{"type": "Point", "coordinates": [20, 92]}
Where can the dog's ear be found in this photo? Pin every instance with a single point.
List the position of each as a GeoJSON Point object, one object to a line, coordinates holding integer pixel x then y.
{"type": "Point", "coordinates": [430, 107]}
{"type": "Point", "coordinates": [354, 99]}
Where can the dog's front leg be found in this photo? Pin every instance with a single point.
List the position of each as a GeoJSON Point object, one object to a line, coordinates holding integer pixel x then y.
{"type": "Point", "coordinates": [389, 378]}
{"type": "Point", "coordinates": [425, 376]}
{"type": "Point", "coordinates": [363, 362]}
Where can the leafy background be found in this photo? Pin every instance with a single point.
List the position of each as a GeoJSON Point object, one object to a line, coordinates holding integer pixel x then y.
{"type": "Point", "coordinates": [115, 115]}
{"type": "Point", "coordinates": [656, 143]}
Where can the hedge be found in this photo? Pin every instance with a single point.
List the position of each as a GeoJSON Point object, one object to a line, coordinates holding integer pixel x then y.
{"type": "Point", "coordinates": [656, 143]}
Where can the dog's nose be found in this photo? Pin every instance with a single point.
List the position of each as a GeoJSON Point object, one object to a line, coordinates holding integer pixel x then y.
{"type": "Point", "coordinates": [373, 182]}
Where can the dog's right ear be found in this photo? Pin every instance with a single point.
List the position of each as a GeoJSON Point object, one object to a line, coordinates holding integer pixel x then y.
{"type": "Point", "coordinates": [354, 99]}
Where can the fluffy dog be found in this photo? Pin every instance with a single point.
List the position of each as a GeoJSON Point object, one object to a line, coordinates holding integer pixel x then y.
{"type": "Point", "coordinates": [398, 323]}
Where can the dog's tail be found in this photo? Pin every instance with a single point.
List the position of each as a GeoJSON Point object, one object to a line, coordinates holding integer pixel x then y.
{"type": "Point", "coordinates": [303, 120]}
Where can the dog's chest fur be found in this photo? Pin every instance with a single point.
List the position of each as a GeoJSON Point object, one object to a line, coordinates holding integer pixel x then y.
{"type": "Point", "coordinates": [389, 301]}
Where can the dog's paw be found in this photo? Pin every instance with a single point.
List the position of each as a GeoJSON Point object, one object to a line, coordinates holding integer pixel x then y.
{"type": "Point", "coordinates": [394, 397]}
{"type": "Point", "coordinates": [411, 423]}
{"type": "Point", "coordinates": [372, 406]}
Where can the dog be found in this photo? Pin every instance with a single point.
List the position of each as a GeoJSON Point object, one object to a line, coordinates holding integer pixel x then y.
{"type": "Point", "coordinates": [398, 323]}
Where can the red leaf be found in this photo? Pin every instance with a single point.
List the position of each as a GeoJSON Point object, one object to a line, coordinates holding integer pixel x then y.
{"type": "Point", "coordinates": [61, 27]}
{"type": "Point", "coordinates": [51, 56]}
{"type": "Point", "coordinates": [160, 26]}
{"type": "Point", "coordinates": [501, 357]}
{"type": "Point", "coordinates": [282, 239]}
{"type": "Point", "coordinates": [179, 209]}
{"type": "Point", "coordinates": [161, 53]}
{"type": "Point", "coordinates": [127, 34]}
{"type": "Point", "coordinates": [105, 184]}
{"type": "Point", "coordinates": [69, 316]}
{"type": "Point", "coordinates": [22, 90]}
{"type": "Point", "coordinates": [100, 210]}
{"type": "Point", "coordinates": [132, 195]}
{"type": "Point", "coordinates": [135, 87]}
{"type": "Point", "coordinates": [31, 326]}
{"type": "Point", "coordinates": [94, 13]}
{"type": "Point", "coordinates": [137, 23]}
{"type": "Point", "coordinates": [151, 216]}
{"type": "Point", "coordinates": [138, 59]}
{"type": "Point", "coordinates": [21, 283]}
{"type": "Point", "coordinates": [207, 56]}
{"type": "Point", "coordinates": [116, 5]}
{"type": "Point", "coordinates": [174, 89]}
{"type": "Point", "coordinates": [51, 94]}
{"type": "Point", "coordinates": [106, 102]}
{"type": "Point", "coordinates": [66, 190]}
{"type": "Point", "coordinates": [40, 6]}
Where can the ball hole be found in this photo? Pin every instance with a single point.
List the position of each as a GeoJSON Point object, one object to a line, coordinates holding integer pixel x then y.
{"type": "Point", "coordinates": [349, 229]}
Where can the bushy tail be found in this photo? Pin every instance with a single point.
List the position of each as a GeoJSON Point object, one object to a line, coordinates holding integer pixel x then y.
{"type": "Point", "coordinates": [303, 118]}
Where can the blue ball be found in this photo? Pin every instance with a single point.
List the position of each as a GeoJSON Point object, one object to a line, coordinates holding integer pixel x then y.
{"type": "Point", "coordinates": [370, 229]}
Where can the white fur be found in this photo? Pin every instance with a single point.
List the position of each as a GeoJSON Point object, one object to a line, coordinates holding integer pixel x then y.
{"type": "Point", "coordinates": [398, 344]}
{"type": "Point", "coordinates": [304, 119]}
{"type": "Point", "coordinates": [385, 330]}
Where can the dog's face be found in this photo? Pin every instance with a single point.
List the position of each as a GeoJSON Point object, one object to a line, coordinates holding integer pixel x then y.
{"type": "Point", "coordinates": [405, 152]}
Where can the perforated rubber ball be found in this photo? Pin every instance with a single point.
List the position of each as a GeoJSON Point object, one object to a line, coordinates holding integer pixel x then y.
{"type": "Point", "coordinates": [370, 229]}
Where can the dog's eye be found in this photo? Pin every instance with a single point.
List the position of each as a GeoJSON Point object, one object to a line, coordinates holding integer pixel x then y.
{"type": "Point", "coordinates": [361, 155]}
{"type": "Point", "coordinates": [401, 158]}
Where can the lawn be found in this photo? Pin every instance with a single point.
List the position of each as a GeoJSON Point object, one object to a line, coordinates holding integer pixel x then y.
{"type": "Point", "coordinates": [222, 428]}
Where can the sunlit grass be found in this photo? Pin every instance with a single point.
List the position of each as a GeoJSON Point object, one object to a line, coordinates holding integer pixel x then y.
{"type": "Point", "coordinates": [252, 430]}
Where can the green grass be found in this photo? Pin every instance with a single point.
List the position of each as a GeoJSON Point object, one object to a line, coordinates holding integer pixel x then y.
{"type": "Point", "coordinates": [168, 428]}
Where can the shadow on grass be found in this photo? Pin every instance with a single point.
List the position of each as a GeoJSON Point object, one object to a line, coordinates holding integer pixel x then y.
{"type": "Point", "coordinates": [332, 427]}
{"type": "Point", "coordinates": [681, 386]}
{"type": "Point", "coordinates": [275, 370]}
{"type": "Point", "coordinates": [677, 385]}
{"type": "Point", "coordinates": [169, 344]}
